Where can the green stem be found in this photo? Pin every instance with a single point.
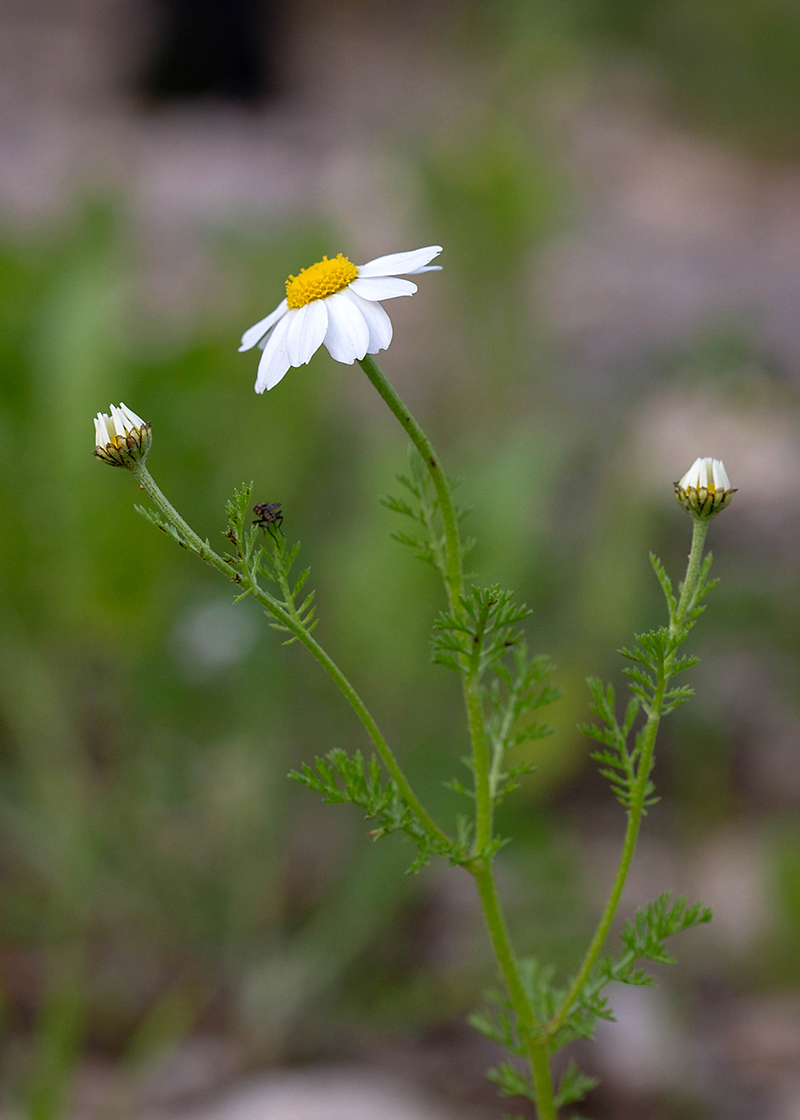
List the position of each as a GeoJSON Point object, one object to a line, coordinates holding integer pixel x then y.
{"type": "Point", "coordinates": [636, 810]}
{"type": "Point", "coordinates": [453, 578]}
{"type": "Point", "coordinates": [542, 1081]}
{"type": "Point", "coordinates": [635, 814]}
{"type": "Point", "coordinates": [509, 966]}
{"type": "Point", "coordinates": [185, 531]}
{"type": "Point", "coordinates": [481, 868]}
{"type": "Point", "coordinates": [484, 803]}
{"type": "Point", "coordinates": [454, 584]}
{"type": "Point", "coordinates": [288, 619]}
{"type": "Point", "coordinates": [689, 589]}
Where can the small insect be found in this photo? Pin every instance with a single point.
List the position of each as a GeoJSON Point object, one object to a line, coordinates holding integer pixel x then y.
{"type": "Point", "coordinates": [269, 516]}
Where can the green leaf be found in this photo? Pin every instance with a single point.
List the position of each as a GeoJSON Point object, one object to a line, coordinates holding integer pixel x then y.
{"type": "Point", "coordinates": [511, 1082]}
{"type": "Point", "coordinates": [574, 1086]}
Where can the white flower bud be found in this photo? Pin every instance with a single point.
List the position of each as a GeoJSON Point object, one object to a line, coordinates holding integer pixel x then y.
{"type": "Point", "coordinates": [705, 489]}
{"type": "Point", "coordinates": [122, 438]}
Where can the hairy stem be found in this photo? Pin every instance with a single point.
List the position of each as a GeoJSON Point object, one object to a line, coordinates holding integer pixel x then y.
{"type": "Point", "coordinates": [454, 578]}
{"type": "Point", "coordinates": [636, 810]}
{"type": "Point", "coordinates": [288, 619]}
{"type": "Point", "coordinates": [481, 868]}
{"type": "Point", "coordinates": [454, 584]}
{"type": "Point", "coordinates": [635, 813]}
{"type": "Point", "coordinates": [509, 966]}
{"type": "Point", "coordinates": [484, 803]}
{"type": "Point", "coordinates": [690, 584]}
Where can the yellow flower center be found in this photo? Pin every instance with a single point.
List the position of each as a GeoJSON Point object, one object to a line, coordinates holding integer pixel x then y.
{"type": "Point", "coordinates": [319, 281]}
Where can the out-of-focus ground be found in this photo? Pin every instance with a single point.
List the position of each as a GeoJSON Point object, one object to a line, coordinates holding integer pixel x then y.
{"type": "Point", "coordinates": [181, 935]}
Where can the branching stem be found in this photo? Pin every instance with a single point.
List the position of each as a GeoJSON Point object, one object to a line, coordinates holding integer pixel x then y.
{"type": "Point", "coordinates": [481, 866]}
{"type": "Point", "coordinates": [288, 619]}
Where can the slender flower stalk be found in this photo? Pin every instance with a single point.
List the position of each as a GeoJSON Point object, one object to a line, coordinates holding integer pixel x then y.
{"type": "Point", "coordinates": [690, 584]}
{"type": "Point", "coordinates": [454, 578]}
{"type": "Point", "coordinates": [679, 621]}
{"type": "Point", "coordinates": [286, 618]}
{"type": "Point", "coordinates": [481, 866]}
{"type": "Point", "coordinates": [454, 585]}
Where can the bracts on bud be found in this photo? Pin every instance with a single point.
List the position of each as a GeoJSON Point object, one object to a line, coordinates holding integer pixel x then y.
{"type": "Point", "coordinates": [705, 489]}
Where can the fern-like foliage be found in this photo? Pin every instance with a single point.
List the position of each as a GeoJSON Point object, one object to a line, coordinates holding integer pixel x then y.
{"type": "Point", "coordinates": [573, 1086]}
{"type": "Point", "coordinates": [643, 938]}
{"type": "Point", "coordinates": [151, 516]}
{"type": "Point", "coordinates": [342, 779]}
{"type": "Point", "coordinates": [501, 1026]}
{"type": "Point", "coordinates": [483, 630]}
{"type": "Point", "coordinates": [484, 642]}
{"type": "Point", "coordinates": [257, 552]}
{"type": "Point", "coordinates": [655, 662]}
{"type": "Point", "coordinates": [513, 694]}
{"type": "Point", "coordinates": [420, 505]}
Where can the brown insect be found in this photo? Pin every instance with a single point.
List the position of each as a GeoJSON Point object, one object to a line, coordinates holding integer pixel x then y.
{"type": "Point", "coordinates": [269, 517]}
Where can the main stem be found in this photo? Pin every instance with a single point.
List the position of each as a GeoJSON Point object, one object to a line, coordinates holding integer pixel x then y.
{"type": "Point", "coordinates": [453, 575]}
{"type": "Point", "coordinates": [481, 866]}
{"type": "Point", "coordinates": [454, 584]}
{"type": "Point", "coordinates": [636, 809]}
{"type": "Point", "coordinates": [286, 618]}
{"type": "Point", "coordinates": [535, 1047]}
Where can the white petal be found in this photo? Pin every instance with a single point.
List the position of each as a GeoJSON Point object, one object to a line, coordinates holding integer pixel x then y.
{"type": "Point", "coordinates": [425, 268]}
{"type": "Point", "coordinates": [382, 287]}
{"type": "Point", "coordinates": [275, 359]}
{"type": "Point", "coordinates": [307, 331]}
{"type": "Point", "coordinates": [101, 437]}
{"type": "Point", "coordinates": [378, 322]}
{"type": "Point", "coordinates": [347, 337]}
{"type": "Point", "coordinates": [132, 419]}
{"type": "Point", "coordinates": [694, 475]}
{"type": "Point", "coordinates": [396, 263]}
{"type": "Point", "coordinates": [721, 480]}
{"type": "Point", "coordinates": [118, 420]}
{"type": "Point", "coordinates": [255, 333]}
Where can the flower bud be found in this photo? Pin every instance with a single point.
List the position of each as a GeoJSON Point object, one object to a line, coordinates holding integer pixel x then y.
{"type": "Point", "coordinates": [705, 489]}
{"type": "Point", "coordinates": [122, 438]}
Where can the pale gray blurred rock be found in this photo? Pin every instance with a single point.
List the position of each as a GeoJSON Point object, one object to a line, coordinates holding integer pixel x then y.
{"type": "Point", "coordinates": [647, 1049]}
{"type": "Point", "coordinates": [756, 1047]}
{"type": "Point", "coordinates": [334, 1093]}
{"type": "Point", "coordinates": [729, 873]}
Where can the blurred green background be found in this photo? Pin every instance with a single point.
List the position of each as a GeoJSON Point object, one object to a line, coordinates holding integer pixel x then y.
{"type": "Point", "coordinates": [616, 188]}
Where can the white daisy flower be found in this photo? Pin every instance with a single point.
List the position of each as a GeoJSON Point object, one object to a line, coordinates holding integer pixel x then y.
{"type": "Point", "coordinates": [705, 489]}
{"type": "Point", "coordinates": [121, 438]}
{"type": "Point", "coordinates": [335, 303]}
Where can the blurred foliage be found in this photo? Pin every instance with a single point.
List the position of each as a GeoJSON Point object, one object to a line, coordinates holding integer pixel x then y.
{"type": "Point", "coordinates": [728, 67]}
